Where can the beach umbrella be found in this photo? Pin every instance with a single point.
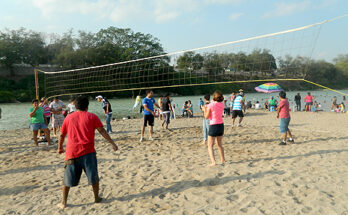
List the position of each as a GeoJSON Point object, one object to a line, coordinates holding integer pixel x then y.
{"type": "Point", "coordinates": [268, 88]}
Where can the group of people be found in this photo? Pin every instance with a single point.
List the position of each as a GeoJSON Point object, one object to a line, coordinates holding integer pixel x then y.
{"type": "Point", "coordinates": [338, 107]}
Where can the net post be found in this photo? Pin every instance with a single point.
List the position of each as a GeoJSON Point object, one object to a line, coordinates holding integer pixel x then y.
{"type": "Point", "coordinates": [36, 84]}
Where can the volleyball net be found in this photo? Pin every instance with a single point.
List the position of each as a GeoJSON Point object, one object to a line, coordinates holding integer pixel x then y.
{"type": "Point", "coordinates": [280, 56]}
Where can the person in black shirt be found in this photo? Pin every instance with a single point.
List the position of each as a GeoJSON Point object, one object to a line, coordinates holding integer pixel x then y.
{"type": "Point", "coordinates": [107, 111]}
{"type": "Point", "coordinates": [298, 101]}
{"type": "Point", "coordinates": [166, 108]}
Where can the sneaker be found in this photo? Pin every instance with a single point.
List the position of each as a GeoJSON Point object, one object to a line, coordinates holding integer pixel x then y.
{"type": "Point", "coordinates": [141, 139]}
{"type": "Point", "coordinates": [150, 138]}
{"type": "Point", "coordinates": [110, 132]}
{"type": "Point", "coordinates": [291, 141]}
{"type": "Point", "coordinates": [239, 125]}
{"type": "Point", "coordinates": [282, 143]}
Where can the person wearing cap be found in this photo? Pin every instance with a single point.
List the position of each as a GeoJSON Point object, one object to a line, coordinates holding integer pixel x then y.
{"type": "Point", "coordinates": [107, 111]}
{"type": "Point", "coordinates": [237, 109]}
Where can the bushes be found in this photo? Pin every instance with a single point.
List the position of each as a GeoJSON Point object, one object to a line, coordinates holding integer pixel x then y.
{"type": "Point", "coordinates": [6, 97]}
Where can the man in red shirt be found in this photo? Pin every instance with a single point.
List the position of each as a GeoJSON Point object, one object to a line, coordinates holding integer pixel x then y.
{"type": "Point", "coordinates": [283, 111]}
{"type": "Point", "coordinates": [80, 152]}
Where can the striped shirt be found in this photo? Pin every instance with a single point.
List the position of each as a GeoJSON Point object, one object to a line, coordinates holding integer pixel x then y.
{"type": "Point", "coordinates": [237, 104]}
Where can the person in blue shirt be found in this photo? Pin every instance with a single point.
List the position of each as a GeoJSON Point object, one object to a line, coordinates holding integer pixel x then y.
{"type": "Point", "coordinates": [149, 114]}
{"type": "Point", "coordinates": [237, 109]}
{"type": "Point", "coordinates": [107, 111]}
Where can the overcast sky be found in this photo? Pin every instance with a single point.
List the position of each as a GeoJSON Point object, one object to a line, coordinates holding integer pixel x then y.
{"type": "Point", "coordinates": [184, 24]}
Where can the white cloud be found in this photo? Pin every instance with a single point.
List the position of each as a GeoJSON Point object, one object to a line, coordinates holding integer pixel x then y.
{"type": "Point", "coordinates": [159, 11]}
{"type": "Point", "coordinates": [284, 9]}
{"type": "Point", "coordinates": [235, 16]}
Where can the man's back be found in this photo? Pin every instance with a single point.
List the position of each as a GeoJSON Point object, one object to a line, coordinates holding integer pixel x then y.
{"type": "Point", "coordinates": [80, 127]}
{"type": "Point", "coordinates": [237, 105]}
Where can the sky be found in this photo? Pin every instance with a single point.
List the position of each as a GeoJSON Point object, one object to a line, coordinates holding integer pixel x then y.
{"type": "Point", "coordinates": [184, 24]}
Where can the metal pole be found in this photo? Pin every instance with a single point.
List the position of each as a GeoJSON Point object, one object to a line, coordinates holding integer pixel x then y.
{"type": "Point", "coordinates": [36, 84]}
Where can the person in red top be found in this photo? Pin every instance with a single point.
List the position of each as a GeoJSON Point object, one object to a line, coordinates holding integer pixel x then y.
{"type": "Point", "coordinates": [80, 152]}
{"type": "Point", "coordinates": [283, 111]}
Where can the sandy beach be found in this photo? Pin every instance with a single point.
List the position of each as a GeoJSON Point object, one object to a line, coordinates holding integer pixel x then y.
{"type": "Point", "coordinates": [170, 174]}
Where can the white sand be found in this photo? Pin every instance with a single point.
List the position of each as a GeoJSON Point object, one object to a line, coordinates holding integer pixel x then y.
{"type": "Point", "coordinates": [170, 175]}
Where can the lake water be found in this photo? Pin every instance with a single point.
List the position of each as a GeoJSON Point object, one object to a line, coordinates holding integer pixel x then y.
{"type": "Point", "coordinates": [15, 116]}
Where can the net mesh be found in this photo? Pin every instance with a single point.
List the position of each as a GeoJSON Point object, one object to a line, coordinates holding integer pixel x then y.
{"type": "Point", "coordinates": [279, 55]}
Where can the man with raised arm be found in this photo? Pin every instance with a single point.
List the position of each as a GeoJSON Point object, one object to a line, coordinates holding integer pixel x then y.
{"type": "Point", "coordinates": [149, 114]}
{"type": "Point", "coordinates": [80, 153]}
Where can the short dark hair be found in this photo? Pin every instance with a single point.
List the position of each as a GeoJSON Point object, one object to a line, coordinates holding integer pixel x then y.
{"type": "Point", "coordinates": [81, 103]}
{"type": "Point", "coordinates": [217, 96]}
{"type": "Point", "coordinates": [207, 97]}
{"type": "Point", "coordinates": [34, 100]}
{"type": "Point", "coordinates": [56, 98]}
{"type": "Point", "coordinates": [148, 91]}
{"type": "Point", "coordinates": [282, 94]}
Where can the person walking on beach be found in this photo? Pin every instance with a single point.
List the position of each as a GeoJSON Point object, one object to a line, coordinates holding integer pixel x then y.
{"type": "Point", "coordinates": [283, 112]}
{"type": "Point", "coordinates": [80, 153]}
{"type": "Point", "coordinates": [57, 114]}
{"type": "Point", "coordinates": [334, 103]}
{"type": "Point", "coordinates": [149, 114]}
{"type": "Point", "coordinates": [107, 111]}
{"type": "Point", "coordinates": [309, 102]}
{"type": "Point", "coordinates": [71, 106]}
{"type": "Point", "coordinates": [214, 112]}
{"type": "Point", "coordinates": [205, 121]}
{"type": "Point", "coordinates": [298, 101]}
{"type": "Point", "coordinates": [167, 109]}
{"type": "Point", "coordinates": [237, 109]}
{"type": "Point", "coordinates": [37, 121]}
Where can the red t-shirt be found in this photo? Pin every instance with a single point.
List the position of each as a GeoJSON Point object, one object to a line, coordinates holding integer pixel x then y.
{"type": "Point", "coordinates": [284, 110]}
{"type": "Point", "coordinates": [80, 127]}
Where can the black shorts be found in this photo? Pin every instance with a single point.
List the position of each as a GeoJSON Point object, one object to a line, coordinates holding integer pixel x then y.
{"type": "Point", "coordinates": [236, 113]}
{"type": "Point", "coordinates": [216, 130]}
{"type": "Point", "coordinates": [149, 119]}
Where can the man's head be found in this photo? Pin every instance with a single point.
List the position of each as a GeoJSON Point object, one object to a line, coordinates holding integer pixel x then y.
{"type": "Point", "coordinates": [56, 99]}
{"type": "Point", "coordinates": [309, 93]}
{"type": "Point", "coordinates": [282, 95]}
{"type": "Point", "coordinates": [81, 103]}
{"type": "Point", "coordinates": [99, 98]}
{"type": "Point", "coordinates": [35, 102]}
{"type": "Point", "coordinates": [149, 93]}
{"type": "Point", "coordinates": [72, 100]}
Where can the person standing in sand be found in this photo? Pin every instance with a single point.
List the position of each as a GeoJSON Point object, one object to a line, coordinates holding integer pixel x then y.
{"type": "Point", "coordinates": [237, 109]}
{"type": "Point", "coordinates": [167, 109]}
{"type": "Point", "coordinates": [309, 102]}
{"type": "Point", "coordinates": [149, 114]}
{"type": "Point", "coordinates": [80, 152]}
{"type": "Point", "coordinates": [37, 121]}
{"type": "Point", "coordinates": [283, 112]}
{"type": "Point", "coordinates": [107, 111]}
{"type": "Point", "coordinates": [57, 114]}
{"type": "Point", "coordinates": [205, 121]}
{"type": "Point", "coordinates": [214, 112]}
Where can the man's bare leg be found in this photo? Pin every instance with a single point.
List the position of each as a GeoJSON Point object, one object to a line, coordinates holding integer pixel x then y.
{"type": "Point", "coordinates": [284, 135]}
{"type": "Point", "coordinates": [47, 135]}
{"type": "Point", "coordinates": [150, 131]}
{"type": "Point", "coordinates": [289, 134]}
{"type": "Point", "coordinates": [211, 141]}
{"type": "Point", "coordinates": [240, 120]}
{"type": "Point", "coordinates": [65, 197]}
{"type": "Point", "coordinates": [35, 137]}
{"type": "Point", "coordinates": [54, 131]}
{"type": "Point", "coordinates": [221, 149]}
{"type": "Point", "coordinates": [142, 130]}
{"type": "Point", "coordinates": [95, 188]}
{"type": "Point", "coordinates": [233, 119]}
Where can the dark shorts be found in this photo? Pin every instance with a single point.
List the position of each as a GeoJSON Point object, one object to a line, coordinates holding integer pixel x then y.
{"type": "Point", "coordinates": [236, 113]}
{"type": "Point", "coordinates": [284, 125]}
{"type": "Point", "coordinates": [73, 170]}
{"type": "Point", "coordinates": [48, 119]}
{"type": "Point", "coordinates": [216, 130]}
{"type": "Point", "coordinates": [309, 103]}
{"type": "Point", "coordinates": [149, 119]}
{"type": "Point", "coordinates": [167, 117]}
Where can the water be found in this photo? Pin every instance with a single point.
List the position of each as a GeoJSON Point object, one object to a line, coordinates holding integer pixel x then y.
{"type": "Point", "coordinates": [15, 116]}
